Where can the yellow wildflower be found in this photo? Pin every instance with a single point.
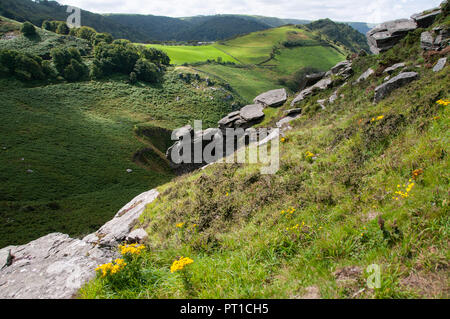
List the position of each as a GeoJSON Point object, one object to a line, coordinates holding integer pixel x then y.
{"type": "Point", "coordinates": [180, 264]}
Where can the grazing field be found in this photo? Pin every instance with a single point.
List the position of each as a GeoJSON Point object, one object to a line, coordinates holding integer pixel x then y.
{"type": "Point", "coordinates": [181, 54]}
{"type": "Point", "coordinates": [65, 149]}
{"type": "Point", "coordinates": [255, 71]}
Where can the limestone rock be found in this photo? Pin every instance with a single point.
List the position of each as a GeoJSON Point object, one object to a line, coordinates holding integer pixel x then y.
{"type": "Point", "coordinates": [271, 98]}
{"type": "Point", "coordinates": [293, 111]}
{"type": "Point", "coordinates": [321, 85]}
{"type": "Point", "coordinates": [396, 82]}
{"type": "Point", "coordinates": [440, 65]}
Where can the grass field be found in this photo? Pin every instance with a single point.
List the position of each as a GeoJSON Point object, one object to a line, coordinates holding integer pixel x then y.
{"type": "Point", "coordinates": [190, 54]}
{"type": "Point", "coordinates": [248, 78]}
{"type": "Point", "coordinates": [78, 139]}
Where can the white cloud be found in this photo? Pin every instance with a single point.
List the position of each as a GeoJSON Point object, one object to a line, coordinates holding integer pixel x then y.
{"type": "Point", "coordinates": [373, 11]}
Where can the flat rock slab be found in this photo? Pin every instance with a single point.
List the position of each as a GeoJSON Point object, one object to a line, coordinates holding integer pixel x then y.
{"type": "Point", "coordinates": [384, 36]}
{"type": "Point", "coordinates": [56, 266]}
{"type": "Point", "coordinates": [424, 20]}
{"type": "Point", "coordinates": [365, 75]}
{"type": "Point", "coordinates": [394, 67]}
{"type": "Point", "coordinates": [273, 98]}
{"type": "Point", "coordinates": [396, 82]}
{"type": "Point", "coordinates": [252, 112]}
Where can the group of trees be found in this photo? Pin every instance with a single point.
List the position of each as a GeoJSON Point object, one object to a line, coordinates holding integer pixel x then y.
{"type": "Point", "coordinates": [110, 56]}
{"type": "Point", "coordinates": [24, 66]}
{"type": "Point", "coordinates": [59, 27]}
{"type": "Point", "coordinates": [121, 56]}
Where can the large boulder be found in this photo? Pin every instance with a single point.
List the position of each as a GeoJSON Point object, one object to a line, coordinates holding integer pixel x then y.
{"type": "Point", "coordinates": [426, 40]}
{"type": "Point", "coordinates": [396, 82]}
{"type": "Point", "coordinates": [253, 112]}
{"type": "Point", "coordinates": [56, 266]}
{"type": "Point", "coordinates": [440, 65]}
{"type": "Point", "coordinates": [321, 85]}
{"type": "Point", "coordinates": [386, 35]}
{"type": "Point", "coordinates": [271, 98]}
{"type": "Point", "coordinates": [425, 19]}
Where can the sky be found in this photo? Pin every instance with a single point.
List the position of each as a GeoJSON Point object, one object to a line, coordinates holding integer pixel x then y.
{"type": "Point", "coordinates": [371, 11]}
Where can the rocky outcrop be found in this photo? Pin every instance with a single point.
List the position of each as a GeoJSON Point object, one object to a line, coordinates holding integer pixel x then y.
{"type": "Point", "coordinates": [425, 19]}
{"type": "Point", "coordinates": [342, 70]}
{"type": "Point", "coordinates": [56, 266]}
{"type": "Point", "coordinates": [273, 98]}
{"type": "Point", "coordinates": [386, 35]}
{"type": "Point", "coordinates": [436, 40]}
{"type": "Point", "coordinates": [396, 82]}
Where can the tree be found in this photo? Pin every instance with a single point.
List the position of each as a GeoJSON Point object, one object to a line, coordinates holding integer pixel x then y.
{"type": "Point", "coordinates": [147, 71]}
{"type": "Point", "coordinates": [28, 29]}
{"type": "Point", "coordinates": [74, 71]}
{"type": "Point", "coordinates": [62, 28]}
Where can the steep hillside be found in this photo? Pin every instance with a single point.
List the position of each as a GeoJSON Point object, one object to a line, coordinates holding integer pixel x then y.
{"type": "Point", "coordinates": [360, 183]}
{"type": "Point", "coordinates": [341, 33]}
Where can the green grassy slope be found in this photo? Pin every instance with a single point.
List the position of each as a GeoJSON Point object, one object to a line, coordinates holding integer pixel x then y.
{"type": "Point", "coordinates": [79, 139]}
{"type": "Point", "coordinates": [273, 236]}
{"type": "Point", "coordinates": [254, 71]}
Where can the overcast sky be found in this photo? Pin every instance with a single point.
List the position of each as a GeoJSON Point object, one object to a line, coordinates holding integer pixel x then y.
{"type": "Point", "coordinates": [373, 11]}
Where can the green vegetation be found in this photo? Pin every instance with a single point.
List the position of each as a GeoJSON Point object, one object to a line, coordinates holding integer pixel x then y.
{"type": "Point", "coordinates": [359, 184]}
{"type": "Point", "coordinates": [191, 54]}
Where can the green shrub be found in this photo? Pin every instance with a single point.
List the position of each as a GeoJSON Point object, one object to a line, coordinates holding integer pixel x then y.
{"type": "Point", "coordinates": [28, 29]}
{"type": "Point", "coordinates": [147, 71]}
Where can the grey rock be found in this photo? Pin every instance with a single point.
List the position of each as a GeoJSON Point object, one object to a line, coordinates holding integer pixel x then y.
{"type": "Point", "coordinates": [386, 35]}
{"type": "Point", "coordinates": [424, 20]}
{"type": "Point", "coordinates": [440, 65]}
{"type": "Point", "coordinates": [322, 103]}
{"type": "Point", "coordinates": [365, 75]}
{"type": "Point", "coordinates": [426, 40]}
{"type": "Point", "coordinates": [116, 230]}
{"type": "Point", "coordinates": [129, 170]}
{"type": "Point", "coordinates": [183, 131]}
{"type": "Point", "coordinates": [333, 97]}
{"type": "Point", "coordinates": [292, 111]}
{"type": "Point", "coordinates": [252, 112]}
{"type": "Point", "coordinates": [286, 120]}
{"type": "Point", "coordinates": [137, 236]}
{"type": "Point", "coordinates": [396, 82]}
{"type": "Point", "coordinates": [271, 98]}
{"type": "Point", "coordinates": [340, 67]}
{"type": "Point", "coordinates": [321, 85]}
{"type": "Point", "coordinates": [394, 67]}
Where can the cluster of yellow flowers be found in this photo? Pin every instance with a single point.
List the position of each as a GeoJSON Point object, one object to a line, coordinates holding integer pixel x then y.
{"type": "Point", "coordinates": [377, 118]}
{"type": "Point", "coordinates": [296, 227]}
{"type": "Point", "coordinates": [288, 212]}
{"type": "Point", "coordinates": [111, 268]}
{"type": "Point", "coordinates": [180, 264]}
{"type": "Point", "coordinates": [283, 139]}
{"type": "Point", "coordinates": [133, 249]}
{"type": "Point", "coordinates": [443, 102]}
{"type": "Point", "coordinates": [309, 154]}
{"type": "Point", "coordinates": [404, 194]}
{"type": "Point", "coordinates": [179, 225]}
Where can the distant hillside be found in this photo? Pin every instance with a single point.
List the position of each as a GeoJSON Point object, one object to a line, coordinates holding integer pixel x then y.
{"type": "Point", "coordinates": [341, 33]}
{"type": "Point", "coordinates": [27, 10]}
{"type": "Point", "coordinates": [146, 28]}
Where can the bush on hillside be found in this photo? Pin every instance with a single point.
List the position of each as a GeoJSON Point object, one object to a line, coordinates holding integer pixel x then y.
{"type": "Point", "coordinates": [297, 81]}
{"type": "Point", "coordinates": [75, 71]}
{"type": "Point", "coordinates": [28, 29]}
{"type": "Point", "coordinates": [59, 27]}
{"type": "Point", "coordinates": [147, 71]}
{"type": "Point", "coordinates": [26, 67]}
{"type": "Point", "coordinates": [69, 64]}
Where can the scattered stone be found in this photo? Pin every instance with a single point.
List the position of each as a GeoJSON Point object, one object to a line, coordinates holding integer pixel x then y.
{"type": "Point", "coordinates": [365, 75]}
{"type": "Point", "coordinates": [287, 119]}
{"type": "Point", "coordinates": [129, 170]}
{"type": "Point", "coordinates": [386, 35]}
{"type": "Point", "coordinates": [321, 85]}
{"type": "Point", "coordinates": [396, 82]}
{"type": "Point", "coordinates": [340, 66]}
{"type": "Point", "coordinates": [273, 98]}
{"type": "Point", "coordinates": [30, 171]}
{"type": "Point", "coordinates": [322, 103]}
{"type": "Point", "coordinates": [440, 65]}
{"type": "Point", "coordinates": [394, 67]}
{"type": "Point", "coordinates": [333, 97]}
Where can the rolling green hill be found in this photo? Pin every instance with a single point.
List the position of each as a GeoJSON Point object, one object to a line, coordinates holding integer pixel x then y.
{"type": "Point", "coordinates": [255, 71]}
{"type": "Point", "coordinates": [360, 184]}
